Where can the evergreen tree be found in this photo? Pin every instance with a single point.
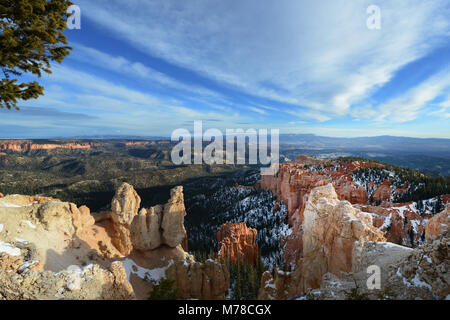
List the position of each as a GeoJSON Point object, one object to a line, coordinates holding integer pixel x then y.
{"type": "Point", "coordinates": [31, 36]}
{"type": "Point", "coordinates": [165, 290]}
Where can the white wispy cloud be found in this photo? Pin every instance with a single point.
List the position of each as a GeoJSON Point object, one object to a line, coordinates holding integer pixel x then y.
{"type": "Point", "coordinates": [317, 55]}
{"type": "Point", "coordinates": [129, 68]}
{"type": "Point", "coordinates": [408, 105]}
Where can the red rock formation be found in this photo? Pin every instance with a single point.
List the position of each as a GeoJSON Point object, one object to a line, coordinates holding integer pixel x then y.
{"type": "Point", "coordinates": [331, 230]}
{"type": "Point", "coordinates": [382, 193]}
{"type": "Point", "coordinates": [237, 242]}
{"type": "Point", "coordinates": [194, 280]}
{"type": "Point", "coordinates": [295, 180]}
{"type": "Point", "coordinates": [401, 223]}
{"type": "Point", "coordinates": [439, 224]}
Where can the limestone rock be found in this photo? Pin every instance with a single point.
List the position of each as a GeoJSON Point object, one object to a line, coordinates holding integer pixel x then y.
{"type": "Point", "coordinates": [145, 229]}
{"type": "Point", "coordinates": [331, 228]}
{"type": "Point", "coordinates": [28, 145]}
{"type": "Point", "coordinates": [82, 218]}
{"type": "Point", "coordinates": [121, 286]}
{"type": "Point", "coordinates": [125, 205]}
{"type": "Point", "coordinates": [121, 238]}
{"type": "Point", "coordinates": [75, 283]}
{"type": "Point", "coordinates": [172, 225]}
{"type": "Point", "coordinates": [279, 288]}
{"type": "Point", "coordinates": [57, 216]}
{"type": "Point", "coordinates": [237, 242]}
{"type": "Point", "coordinates": [400, 223]}
{"type": "Point", "coordinates": [406, 274]}
{"type": "Point", "coordinates": [206, 281]}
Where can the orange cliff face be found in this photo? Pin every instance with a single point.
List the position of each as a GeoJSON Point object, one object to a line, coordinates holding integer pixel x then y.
{"type": "Point", "coordinates": [24, 146]}
{"type": "Point", "coordinates": [237, 242]}
{"type": "Point", "coordinates": [400, 223]}
{"type": "Point", "coordinates": [295, 180]}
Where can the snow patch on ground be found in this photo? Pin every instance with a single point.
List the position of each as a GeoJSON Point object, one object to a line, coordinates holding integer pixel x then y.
{"type": "Point", "coordinates": [1, 227]}
{"type": "Point", "coordinates": [153, 275]}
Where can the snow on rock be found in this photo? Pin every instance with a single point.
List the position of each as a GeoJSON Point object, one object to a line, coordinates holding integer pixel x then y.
{"type": "Point", "coordinates": [28, 223]}
{"type": "Point", "coordinates": [9, 205]}
{"type": "Point", "coordinates": [9, 249]}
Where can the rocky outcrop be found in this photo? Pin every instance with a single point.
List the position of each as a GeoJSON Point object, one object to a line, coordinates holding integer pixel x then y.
{"type": "Point", "coordinates": [294, 181]}
{"type": "Point", "coordinates": [42, 247]}
{"type": "Point", "coordinates": [44, 242]}
{"type": "Point", "coordinates": [439, 224]}
{"type": "Point", "coordinates": [331, 230]}
{"type": "Point", "coordinates": [124, 206]}
{"type": "Point", "coordinates": [401, 223]}
{"type": "Point", "coordinates": [21, 281]}
{"type": "Point", "coordinates": [237, 242]}
{"type": "Point", "coordinates": [207, 281]}
{"type": "Point", "coordinates": [281, 287]}
{"type": "Point", "coordinates": [406, 274]}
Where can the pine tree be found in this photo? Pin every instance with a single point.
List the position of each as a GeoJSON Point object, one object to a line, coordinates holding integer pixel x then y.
{"type": "Point", "coordinates": [31, 36]}
{"type": "Point", "coordinates": [165, 290]}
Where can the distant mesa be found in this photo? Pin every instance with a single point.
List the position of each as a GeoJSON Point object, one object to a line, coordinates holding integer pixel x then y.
{"type": "Point", "coordinates": [26, 145]}
{"type": "Point", "coordinates": [146, 143]}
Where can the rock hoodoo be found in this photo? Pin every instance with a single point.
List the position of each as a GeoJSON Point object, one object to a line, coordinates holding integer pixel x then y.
{"type": "Point", "coordinates": [237, 242]}
{"type": "Point", "coordinates": [124, 206]}
{"type": "Point", "coordinates": [172, 223]}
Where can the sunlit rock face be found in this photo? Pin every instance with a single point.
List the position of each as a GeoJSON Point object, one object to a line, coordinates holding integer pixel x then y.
{"type": "Point", "coordinates": [237, 242]}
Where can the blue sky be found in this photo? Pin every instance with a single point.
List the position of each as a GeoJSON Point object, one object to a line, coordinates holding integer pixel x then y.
{"type": "Point", "coordinates": [149, 67]}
